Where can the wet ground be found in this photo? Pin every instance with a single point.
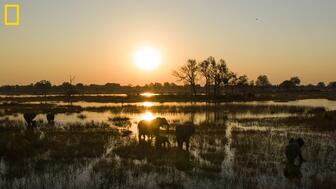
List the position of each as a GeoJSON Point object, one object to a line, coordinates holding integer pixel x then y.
{"type": "Point", "coordinates": [236, 145]}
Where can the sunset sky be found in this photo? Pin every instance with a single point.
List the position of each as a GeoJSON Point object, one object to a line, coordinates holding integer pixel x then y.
{"type": "Point", "coordinates": [96, 40]}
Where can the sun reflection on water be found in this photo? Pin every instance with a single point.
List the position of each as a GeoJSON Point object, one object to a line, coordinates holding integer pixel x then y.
{"type": "Point", "coordinates": [148, 116]}
{"type": "Point", "coordinates": [147, 94]}
{"type": "Point", "coordinates": [148, 104]}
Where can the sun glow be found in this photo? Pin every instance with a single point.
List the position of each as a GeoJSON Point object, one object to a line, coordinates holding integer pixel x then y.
{"type": "Point", "coordinates": [148, 116]}
{"type": "Point", "coordinates": [148, 104]}
{"type": "Point", "coordinates": [147, 58]}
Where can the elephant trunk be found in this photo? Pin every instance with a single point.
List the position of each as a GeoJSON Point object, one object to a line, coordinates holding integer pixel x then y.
{"type": "Point", "coordinates": [168, 128]}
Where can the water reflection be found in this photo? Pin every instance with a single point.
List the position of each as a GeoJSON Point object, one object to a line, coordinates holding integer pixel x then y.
{"type": "Point", "coordinates": [223, 153]}
{"type": "Point", "coordinates": [148, 94]}
{"type": "Point", "coordinates": [148, 104]}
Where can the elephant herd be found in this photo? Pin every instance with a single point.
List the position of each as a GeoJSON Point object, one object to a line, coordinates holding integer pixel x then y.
{"type": "Point", "coordinates": [151, 129]}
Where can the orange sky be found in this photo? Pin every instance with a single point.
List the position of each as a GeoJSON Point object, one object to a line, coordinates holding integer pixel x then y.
{"type": "Point", "coordinates": [96, 40]}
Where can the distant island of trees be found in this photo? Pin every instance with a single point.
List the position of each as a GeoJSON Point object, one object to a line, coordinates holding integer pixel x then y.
{"type": "Point", "coordinates": [219, 79]}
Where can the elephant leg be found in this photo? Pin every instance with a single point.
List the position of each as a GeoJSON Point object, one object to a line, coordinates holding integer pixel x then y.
{"type": "Point", "coordinates": [29, 123]}
{"type": "Point", "coordinates": [187, 144]}
{"type": "Point", "coordinates": [179, 144]}
{"type": "Point", "coordinates": [168, 144]}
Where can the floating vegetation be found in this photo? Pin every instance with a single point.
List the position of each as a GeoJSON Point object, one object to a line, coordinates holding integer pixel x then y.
{"type": "Point", "coordinates": [82, 116]}
{"type": "Point", "coordinates": [120, 121]}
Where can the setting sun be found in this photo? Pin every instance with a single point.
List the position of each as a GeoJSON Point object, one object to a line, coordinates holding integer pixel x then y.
{"type": "Point", "coordinates": [147, 58]}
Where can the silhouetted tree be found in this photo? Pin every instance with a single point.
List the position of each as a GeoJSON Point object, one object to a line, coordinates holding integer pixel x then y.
{"type": "Point", "coordinates": [43, 86]}
{"type": "Point", "coordinates": [251, 84]}
{"type": "Point", "coordinates": [69, 86]}
{"type": "Point", "coordinates": [188, 74]}
{"type": "Point", "coordinates": [262, 81]}
{"type": "Point", "coordinates": [65, 86]}
{"type": "Point", "coordinates": [287, 84]}
{"type": "Point", "coordinates": [332, 85]}
{"type": "Point", "coordinates": [242, 81]}
{"type": "Point", "coordinates": [220, 74]}
{"type": "Point", "coordinates": [216, 74]}
{"type": "Point", "coordinates": [230, 79]}
{"type": "Point", "coordinates": [80, 87]}
{"type": "Point", "coordinates": [295, 80]}
{"type": "Point", "coordinates": [205, 71]}
{"type": "Point", "coordinates": [166, 84]}
{"type": "Point", "coordinates": [321, 85]}
{"type": "Point", "coordinates": [291, 83]}
{"type": "Point", "coordinates": [112, 85]}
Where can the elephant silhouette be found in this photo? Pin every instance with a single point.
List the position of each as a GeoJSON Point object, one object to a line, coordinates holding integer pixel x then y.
{"type": "Point", "coordinates": [50, 118]}
{"type": "Point", "coordinates": [151, 128]}
{"type": "Point", "coordinates": [292, 171]}
{"type": "Point", "coordinates": [293, 151]}
{"type": "Point", "coordinates": [162, 141]}
{"type": "Point", "coordinates": [29, 118]}
{"type": "Point", "coordinates": [183, 134]}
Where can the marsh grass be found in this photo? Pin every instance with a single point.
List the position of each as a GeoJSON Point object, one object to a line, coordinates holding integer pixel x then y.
{"type": "Point", "coordinates": [319, 121]}
{"type": "Point", "coordinates": [82, 116]}
{"type": "Point", "coordinates": [226, 151]}
{"type": "Point", "coordinates": [260, 152]}
{"type": "Point", "coordinates": [120, 121]}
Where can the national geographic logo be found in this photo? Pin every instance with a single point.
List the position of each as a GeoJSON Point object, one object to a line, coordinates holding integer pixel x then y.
{"type": "Point", "coordinates": [11, 14]}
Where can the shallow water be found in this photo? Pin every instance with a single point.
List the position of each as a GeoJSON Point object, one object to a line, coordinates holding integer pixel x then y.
{"type": "Point", "coordinates": [328, 104]}
{"type": "Point", "coordinates": [224, 152]}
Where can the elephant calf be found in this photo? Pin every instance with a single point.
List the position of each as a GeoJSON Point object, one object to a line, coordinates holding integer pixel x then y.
{"type": "Point", "coordinates": [29, 117]}
{"type": "Point", "coordinates": [183, 134]}
{"type": "Point", "coordinates": [51, 118]}
{"type": "Point", "coordinates": [162, 141]}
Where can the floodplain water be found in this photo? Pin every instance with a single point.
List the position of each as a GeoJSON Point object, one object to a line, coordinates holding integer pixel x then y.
{"type": "Point", "coordinates": [236, 145]}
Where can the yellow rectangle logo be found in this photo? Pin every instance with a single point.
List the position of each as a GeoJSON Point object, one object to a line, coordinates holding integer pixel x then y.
{"type": "Point", "coordinates": [17, 18]}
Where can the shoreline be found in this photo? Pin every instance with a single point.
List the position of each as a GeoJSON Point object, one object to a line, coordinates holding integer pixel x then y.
{"type": "Point", "coordinates": [105, 98]}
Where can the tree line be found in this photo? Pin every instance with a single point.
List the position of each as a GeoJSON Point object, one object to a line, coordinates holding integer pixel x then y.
{"type": "Point", "coordinates": [210, 77]}
{"type": "Point", "coordinates": [67, 88]}
{"type": "Point", "coordinates": [218, 78]}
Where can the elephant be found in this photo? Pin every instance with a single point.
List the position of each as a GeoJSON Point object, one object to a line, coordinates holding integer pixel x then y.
{"type": "Point", "coordinates": [183, 134]}
{"type": "Point", "coordinates": [293, 151]}
{"type": "Point", "coordinates": [162, 141]}
{"type": "Point", "coordinates": [151, 128]}
{"type": "Point", "coordinates": [51, 118]}
{"type": "Point", "coordinates": [29, 117]}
